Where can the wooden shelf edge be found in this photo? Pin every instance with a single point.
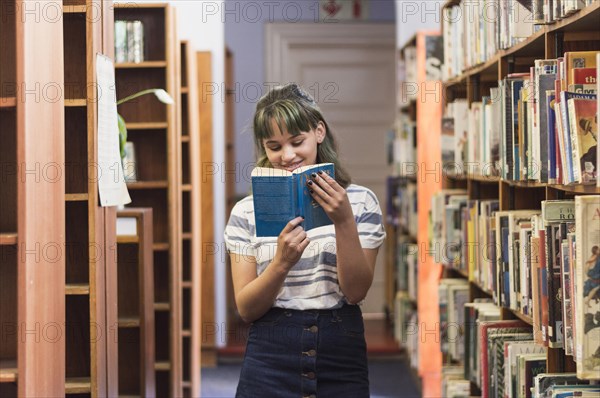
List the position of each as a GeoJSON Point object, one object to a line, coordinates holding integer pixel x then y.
{"type": "Point", "coordinates": [8, 102]}
{"type": "Point", "coordinates": [557, 25]}
{"type": "Point", "coordinates": [162, 366]}
{"type": "Point", "coordinates": [161, 184]}
{"type": "Point", "coordinates": [76, 197]}
{"type": "Point", "coordinates": [162, 307]}
{"type": "Point", "coordinates": [75, 9]}
{"type": "Point", "coordinates": [8, 238]}
{"type": "Point", "coordinates": [186, 187]}
{"type": "Point", "coordinates": [185, 138]}
{"type": "Point", "coordinates": [141, 65]}
{"type": "Point", "coordinates": [525, 318]}
{"type": "Point", "coordinates": [147, 126]}
{"type": "Point", "coordinates": [129, 322]}
{"type": "Point", "coordinates": [186, 333]}
{"type": "Point", "coordinates": [186, 236]}
{"type": "Point", "coordinates": [75, 102]}
{"type": "Point", "coordinates": [77, 289]}
{"type": "Point", "coordinates": [187, 284]}
{"type": "Point", "coordinates": [78, 385]}
{"type": "Point", "coordinates": [8, 371]}
{"type": "Point", "coordinates": [124, 239]}
{"type": "Point", "coordinates": [160, 246]}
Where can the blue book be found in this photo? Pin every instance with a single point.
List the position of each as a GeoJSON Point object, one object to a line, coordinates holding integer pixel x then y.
{"type": "Point", "coordinates": [280, 196]}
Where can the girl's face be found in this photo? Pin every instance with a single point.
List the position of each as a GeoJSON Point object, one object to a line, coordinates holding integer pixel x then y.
{"type": "Point", "coordinates": [289, 152]}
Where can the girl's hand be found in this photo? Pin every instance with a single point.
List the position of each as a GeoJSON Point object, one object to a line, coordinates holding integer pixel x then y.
{"type": "Point", "coordinates": [331, 196]}
{"type": "Point", "coordinates": [291, 244]}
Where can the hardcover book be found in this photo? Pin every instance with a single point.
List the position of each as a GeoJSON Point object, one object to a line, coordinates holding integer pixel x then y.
{"type": "Point", "coordinates": [280, 196]}
{"type": "Point", "coordinates": [587, 301]}
{"type": "Point", "coordinates": [584, 138]}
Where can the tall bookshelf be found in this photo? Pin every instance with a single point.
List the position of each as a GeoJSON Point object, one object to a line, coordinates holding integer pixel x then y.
{"type": "Point", "coordinates": [419, 94]}
{"type": "Point", "coordinates": [577, 32]}
{"type": "Point", "coordinates": [90, 269]}
{"type": "Point", "coordinates": [205, 98]}
{"type": "Point", "coordinates": [32, 208]}
{"type": "Point", "coordinates": [135, 302]}
{"type": "Point", "coordinates": [153, 129]}
{"type": "Point", "coordinates": [190, 222]}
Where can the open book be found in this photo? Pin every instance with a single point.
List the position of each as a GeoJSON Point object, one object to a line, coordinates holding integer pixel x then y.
{"type": "Point", "coordinates": [280, 196]}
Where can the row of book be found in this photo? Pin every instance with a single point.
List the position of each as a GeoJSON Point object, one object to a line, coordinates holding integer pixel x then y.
{"type": "Point", "coordinates": [129, 41]}
{"type": "Point", "coordinates": [402, 146]}
{"type": "Point", "coordinates": [475, 30]}
{"type": "Point", "coordinates": [502, 358]}
{"type": "Point", "coordinates": [540, 126]}
{"type": "Point", "coordinates": [544, 264]}
{"type": "Point", "coordinates": [405, 322]}
{"type": "Point", "coordinates": [401, 205]}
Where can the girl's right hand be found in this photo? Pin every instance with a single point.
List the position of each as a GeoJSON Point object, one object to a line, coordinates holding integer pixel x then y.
{"type": "Point", "coordinates": [291, 244]}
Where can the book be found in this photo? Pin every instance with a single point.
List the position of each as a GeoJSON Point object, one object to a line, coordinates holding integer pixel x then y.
{"type": "Point", "coordinates": [584, 138]}
{"type": "Point", "coordinates": [280, 196]}
{"type": "Point", "coordinates": [587, 301]}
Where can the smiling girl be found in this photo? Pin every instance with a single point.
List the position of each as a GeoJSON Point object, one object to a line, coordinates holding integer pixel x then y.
{"type": "Point", "coordinates": [301, 291]}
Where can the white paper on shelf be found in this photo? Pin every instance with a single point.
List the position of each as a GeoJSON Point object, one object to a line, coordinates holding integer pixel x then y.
{"type": "Point", "coordinates": [111, 182]}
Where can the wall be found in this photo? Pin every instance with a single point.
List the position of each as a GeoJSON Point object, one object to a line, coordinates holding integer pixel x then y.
{"type": "Point", "coordinates": [244, 35]}
{"type": "Point", "coordinates": [413, 15]}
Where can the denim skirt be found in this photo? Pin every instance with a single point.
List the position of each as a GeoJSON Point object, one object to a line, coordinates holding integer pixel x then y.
{"type": "Point", "coordinates": [310, 353]}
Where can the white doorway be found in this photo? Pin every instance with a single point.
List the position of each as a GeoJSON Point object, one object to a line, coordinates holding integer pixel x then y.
{"type": "Point", "coordinates": [350, 70]}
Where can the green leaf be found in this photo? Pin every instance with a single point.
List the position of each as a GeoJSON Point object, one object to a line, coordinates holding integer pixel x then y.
{"type": "Point", "coordinates": [122, 135]}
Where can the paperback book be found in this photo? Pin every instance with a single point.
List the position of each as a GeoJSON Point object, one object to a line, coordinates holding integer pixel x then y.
{"type": "Point", "coordinates": [280, 196]}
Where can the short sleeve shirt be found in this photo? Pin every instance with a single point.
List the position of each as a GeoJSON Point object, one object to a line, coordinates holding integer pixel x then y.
{"type": "Point", "coordinates": [312, 283]}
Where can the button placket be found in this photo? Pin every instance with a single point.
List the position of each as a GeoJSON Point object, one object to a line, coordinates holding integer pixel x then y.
{"type": "Point", "coordinates": [309, 354]}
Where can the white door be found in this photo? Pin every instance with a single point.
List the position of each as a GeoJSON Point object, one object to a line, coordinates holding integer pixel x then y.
{"type": "Point", "coordinates": [350, 70]}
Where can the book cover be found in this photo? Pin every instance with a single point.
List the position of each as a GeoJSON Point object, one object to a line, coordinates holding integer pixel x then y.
{"type": "Point", "coordinates": [530, 365]}
{"type": "Point", "coordinates": [578, 59]}
{"type": "Point", "coordinates": [567, 146]}
{"type": "Point", "coordinates": [587, 333]}
{"type": "Point", "coordinates": [484, 349]}
{"type": "Point", "coordinates": [584, 139]}
{"type": "Point", "coordinates": [280, 196]}
{"type": "Point", "coordinates": [511, 350]}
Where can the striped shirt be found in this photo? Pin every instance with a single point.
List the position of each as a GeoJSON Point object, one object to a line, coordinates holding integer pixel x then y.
{"type": "Point", "coordinates": [312, 283]}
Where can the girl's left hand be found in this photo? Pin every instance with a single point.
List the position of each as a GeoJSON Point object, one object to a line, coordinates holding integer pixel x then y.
{"type": "Point", "coordinates": [331, 196]}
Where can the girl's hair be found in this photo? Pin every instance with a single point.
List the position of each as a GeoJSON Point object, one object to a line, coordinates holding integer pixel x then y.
{"type": "Point", "coordinates": [294, 110]}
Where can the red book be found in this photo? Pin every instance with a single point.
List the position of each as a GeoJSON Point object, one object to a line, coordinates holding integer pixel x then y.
{"type": "Point", "coordinates": [484, 328]}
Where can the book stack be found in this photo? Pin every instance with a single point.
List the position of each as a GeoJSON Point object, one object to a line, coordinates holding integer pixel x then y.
{"type": "Point", "coordinates": [129, 41]}
{"type": "Point", "coordinates": [539, 126]}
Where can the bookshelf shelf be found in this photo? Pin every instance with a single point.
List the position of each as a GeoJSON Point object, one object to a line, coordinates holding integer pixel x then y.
{"type": "Point", "coordinates": [129, 322]}
{"type": "Point", "coordinates": [525, 318]}
{"type": "Point", "coordinates": [77, 289]}
{"type": "Point", "coordinates": [76, 197]}
{"type": "Point", "coordinates": [160, 246]}
{"type": "Point", "coordinates": [141, 65]}
{"type": "Point", "coordinates": [75, 9]}
{"type": "Point", "coordinates": [7, 239]}
{"type": "Point", "coordinates": [147, 185]}
{"type": "Point", "coordinates": [475, 88]}
{"type": "Point", "coordinates": [78, 385]}
{"type": "Point", "coordinates": [8, 371]}
{"type": "Point", "coordinates": [8, 102]}
{"type": "Point", "coordinates": [583, 20]}
{"type": "Point", "coordinates": [153, 129]}
{"type": "Point", "coordinates": [147, 126]}
{"type": "Point", "coordinates": [162, 366]}
{"type": "Point", "coordinates": [75, 102]}
{"type": "Point", "coordinates": [127, 239]}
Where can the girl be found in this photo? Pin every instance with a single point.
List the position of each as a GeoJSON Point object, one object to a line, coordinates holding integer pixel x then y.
{"type": "Point", "coordinates": [300, 290]}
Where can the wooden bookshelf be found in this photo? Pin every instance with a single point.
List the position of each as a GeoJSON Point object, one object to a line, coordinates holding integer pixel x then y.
{"type": "Point", "coordinates": [136, 304]}
{"type": "Point", "coordinates": [190, 222]}
{"type": "Point", "coordinates": [32, 211]}
{"type": "Point", "coordinates": [90, 278]}
{"type": "Point", "coordinates": [577, 32]}
{"type": "Point", "coordinates": [230, 173]}
{"type": "Point", "coordinates": [205, 98]}
{"type": "Point", "coordinates": [153, 130]}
